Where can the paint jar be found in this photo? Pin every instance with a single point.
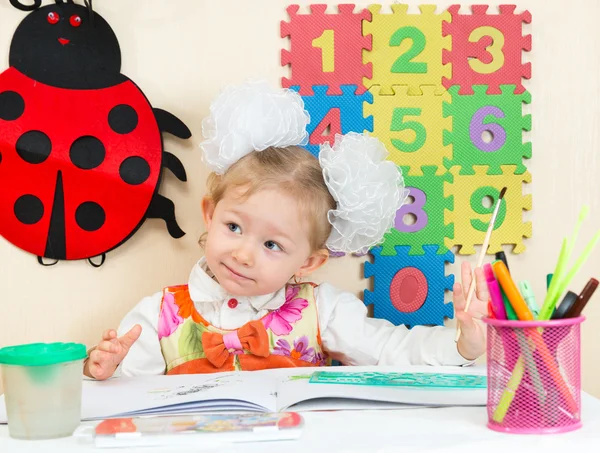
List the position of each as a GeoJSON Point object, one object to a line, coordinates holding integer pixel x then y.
{"type": "Point", "coordinates": [42, 388]}
{"type": "Point", "coordinates": [534, 375]}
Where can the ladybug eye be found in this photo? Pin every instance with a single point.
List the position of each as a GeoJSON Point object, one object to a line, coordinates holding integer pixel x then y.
{"type": "Point", "coordinates": [75, 21]}
{"type": "Point", "coordinates": [53, 18]}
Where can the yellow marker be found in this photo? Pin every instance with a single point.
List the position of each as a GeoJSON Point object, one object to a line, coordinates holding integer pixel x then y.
{"type": "Point", "coordinates": [509, 393]}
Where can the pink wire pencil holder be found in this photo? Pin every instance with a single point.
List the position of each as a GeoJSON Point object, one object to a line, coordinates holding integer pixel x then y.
{"type": "Point", "coordinates": [534, 375]}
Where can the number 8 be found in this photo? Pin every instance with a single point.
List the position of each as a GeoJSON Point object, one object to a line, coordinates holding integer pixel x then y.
{"type": "Point", "coordinates": [415, 208]}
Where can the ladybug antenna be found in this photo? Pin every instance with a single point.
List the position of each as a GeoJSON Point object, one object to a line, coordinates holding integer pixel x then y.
{"type": "Point", "coordinates": [17, 4]}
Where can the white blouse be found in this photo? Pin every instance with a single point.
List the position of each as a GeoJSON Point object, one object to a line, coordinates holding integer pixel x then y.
{"type": "Point", "coordinates": [348, 335]}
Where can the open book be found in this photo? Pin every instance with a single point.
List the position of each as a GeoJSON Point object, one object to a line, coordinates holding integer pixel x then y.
{"type": "Point", "coordinates": [297, 389]}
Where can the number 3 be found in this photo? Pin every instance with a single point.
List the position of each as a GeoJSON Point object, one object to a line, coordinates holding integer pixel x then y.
{"type": "Point", "coordinates": [495, 50]}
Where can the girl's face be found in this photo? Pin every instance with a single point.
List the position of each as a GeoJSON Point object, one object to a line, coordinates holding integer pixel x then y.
{"type": "Point", "coordinates": [255, 245]}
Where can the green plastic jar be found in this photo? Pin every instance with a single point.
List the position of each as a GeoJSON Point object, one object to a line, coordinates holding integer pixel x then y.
{"type": "Point", "coordinates": [42, 388]}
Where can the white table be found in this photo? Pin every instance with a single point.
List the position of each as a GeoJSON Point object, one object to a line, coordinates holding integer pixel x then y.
{"type": "Point", "coordinates": [449, 430]}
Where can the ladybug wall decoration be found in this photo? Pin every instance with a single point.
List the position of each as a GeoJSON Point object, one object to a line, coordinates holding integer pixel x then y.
{"type": "Point", "coordinates": [81, 147]}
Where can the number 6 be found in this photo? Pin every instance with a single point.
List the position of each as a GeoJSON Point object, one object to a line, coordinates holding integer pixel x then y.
{"type": "Point", "coordinates": [477, 127]}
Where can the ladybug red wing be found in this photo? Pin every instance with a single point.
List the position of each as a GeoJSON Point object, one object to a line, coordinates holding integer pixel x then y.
{"type": "Point", "coordinates": [78, 168]}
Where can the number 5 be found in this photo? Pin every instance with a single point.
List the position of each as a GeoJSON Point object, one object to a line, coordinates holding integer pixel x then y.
{"type": "Point", "coordinates": [398, 125]}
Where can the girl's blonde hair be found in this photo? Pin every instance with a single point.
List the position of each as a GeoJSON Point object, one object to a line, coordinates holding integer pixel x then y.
{"type": "Point", "coordinates": [292, 170]}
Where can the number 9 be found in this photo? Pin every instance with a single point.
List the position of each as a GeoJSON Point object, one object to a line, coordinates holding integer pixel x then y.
{"type": "Point", "coordinates": [479, 208]}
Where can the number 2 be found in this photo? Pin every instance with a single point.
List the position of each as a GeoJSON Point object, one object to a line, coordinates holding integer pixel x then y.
{"type": "Point", "coordinates": [403, 63]}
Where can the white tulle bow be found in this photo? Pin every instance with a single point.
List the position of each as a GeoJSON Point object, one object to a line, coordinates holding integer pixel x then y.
{"type": "Point", "coordinates": [251, 117]}
{"type": "Point", "coordinates": [367, 188]}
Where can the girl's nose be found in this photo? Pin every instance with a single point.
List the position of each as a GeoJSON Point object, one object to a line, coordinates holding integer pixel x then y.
{"type": "Point", "coordinates": [243, 255]}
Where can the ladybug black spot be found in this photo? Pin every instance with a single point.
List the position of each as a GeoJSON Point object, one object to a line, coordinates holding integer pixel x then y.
{"type": "Point", "coordinates": [90, 216]}
{"type": "Point", "coordinates": [34, 147]}
{"type": "Point", "coordinates": [29, 209]}
{"type": "Point", "coordinates": [134, 170]}
{"type": "Point", "coordinates": [123, 119]}
{"type": "Point", "coordinates": [12, 105]}
{"type": "Point", "coordinates": [87, 152]}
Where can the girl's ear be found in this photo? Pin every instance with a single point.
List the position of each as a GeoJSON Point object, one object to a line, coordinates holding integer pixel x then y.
{"type": "Point", "coordinates": [208, 210]}
{"type": "Point", "coordinates": [313, 262]}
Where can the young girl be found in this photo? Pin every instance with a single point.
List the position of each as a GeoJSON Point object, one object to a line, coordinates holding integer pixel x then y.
{"type": "Point", "coordinates": [272, 212]}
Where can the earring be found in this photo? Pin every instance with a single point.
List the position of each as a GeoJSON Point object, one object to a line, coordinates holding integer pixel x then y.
{"type": "Point", "coordinates": [297, 280]}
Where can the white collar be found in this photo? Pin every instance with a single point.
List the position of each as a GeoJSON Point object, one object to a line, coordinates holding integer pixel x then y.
{"type": "Point", "coordinates": [204, 289]}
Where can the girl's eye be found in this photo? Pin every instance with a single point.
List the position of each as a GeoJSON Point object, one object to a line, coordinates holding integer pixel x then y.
{"type": "Point", "coordinates": [234, 228]}
{"type": "Point", "coordinates": [75, 21]}
{"type": "Point", "coordinates": [53, 18]}
{"type": "Point", "coordinates": [272, 246]}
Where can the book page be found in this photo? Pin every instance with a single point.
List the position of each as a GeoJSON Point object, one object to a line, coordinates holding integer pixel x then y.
{"type": "Point", "coordinates": [146, 395]}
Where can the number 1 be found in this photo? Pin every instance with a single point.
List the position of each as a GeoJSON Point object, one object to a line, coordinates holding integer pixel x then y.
{"type": "Point", "coordinates": [325, 43]}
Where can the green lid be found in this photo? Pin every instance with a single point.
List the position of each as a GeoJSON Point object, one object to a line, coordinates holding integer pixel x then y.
{"type": "Point", "coordinates": [37, 354]}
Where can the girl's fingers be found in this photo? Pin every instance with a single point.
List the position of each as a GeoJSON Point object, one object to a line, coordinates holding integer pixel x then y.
{"type": "Point", "coordinates": [109, 334]}
{"type": "Point", "coordinates": [465, 276]}
{"type": "Point", "coordinates": [107, 346]}
{"type": "Point", "coordinates": [481, 285]}
{"type": "Point", "coordinates": [459, 298]}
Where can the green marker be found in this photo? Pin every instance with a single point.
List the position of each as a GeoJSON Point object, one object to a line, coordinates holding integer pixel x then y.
{"type": "Point", "coordinates": [510, 311]}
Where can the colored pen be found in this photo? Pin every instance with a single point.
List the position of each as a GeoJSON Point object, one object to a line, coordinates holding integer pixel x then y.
{"type": "Point", "coordinates": [500, 256]}
{"type": "Point", "coordinates": [527, 350]}
{"type": "Point", "coordinates": [511, 291]}
{"type": "Point", "coordinates": [564, 307]}
{"type": "Point", "coordinates": [509, 393]}
{"type": "Point", "coordinates": [583, 298]}
{"type": "Point", "coordinates": [527, 293]}
{"type": "Point", "coordinates": [510, 312]}
{"type": "Point", "coordinates": [495, 295]}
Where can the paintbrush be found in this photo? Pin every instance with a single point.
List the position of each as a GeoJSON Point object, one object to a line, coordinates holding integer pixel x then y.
{"type": "Point", "coordinates": [486, 243]}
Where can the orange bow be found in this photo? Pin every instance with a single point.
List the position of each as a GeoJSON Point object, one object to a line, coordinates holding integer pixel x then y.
{"type": "Point", "coordinates": [251, 337]}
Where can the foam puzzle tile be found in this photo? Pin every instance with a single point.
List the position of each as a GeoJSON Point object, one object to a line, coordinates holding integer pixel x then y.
{"type": "Point", "coordinates": [407, 48]}
{"type": "Point", "coordinates": [410, 289]}
{"type": "Point", "coordinates": [426, 212]}
{"type": "Point", "coordinates": [411, 127]}
{"type": "Point", "coordinates": [325, 49]}
{"type": "Point", "coordinates": [487, 48]}
{"type": "Point", "coordinates": [501, 116]}
{"type": "Point", "coordinates": [471, 217]}
{"type": "Point", "coordinates": [340, 113]}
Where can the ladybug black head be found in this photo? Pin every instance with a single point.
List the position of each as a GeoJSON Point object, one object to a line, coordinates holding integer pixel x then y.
{"type": "Point", "coordinates": [66, 45]}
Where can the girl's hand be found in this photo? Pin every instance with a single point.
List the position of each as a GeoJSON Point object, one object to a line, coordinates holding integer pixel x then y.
{"type": "Point", "coordinates": [110, 352]}
{"type": "Point", "coordinates": [471, 343]}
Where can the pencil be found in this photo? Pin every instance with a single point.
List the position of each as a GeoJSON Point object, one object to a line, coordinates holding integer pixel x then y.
{"type": "Point", "coordinates": [486, 243]}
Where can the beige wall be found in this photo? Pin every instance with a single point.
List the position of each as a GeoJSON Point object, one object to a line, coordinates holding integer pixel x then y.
{"type": "Point", "coordinates": [181, 52]}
